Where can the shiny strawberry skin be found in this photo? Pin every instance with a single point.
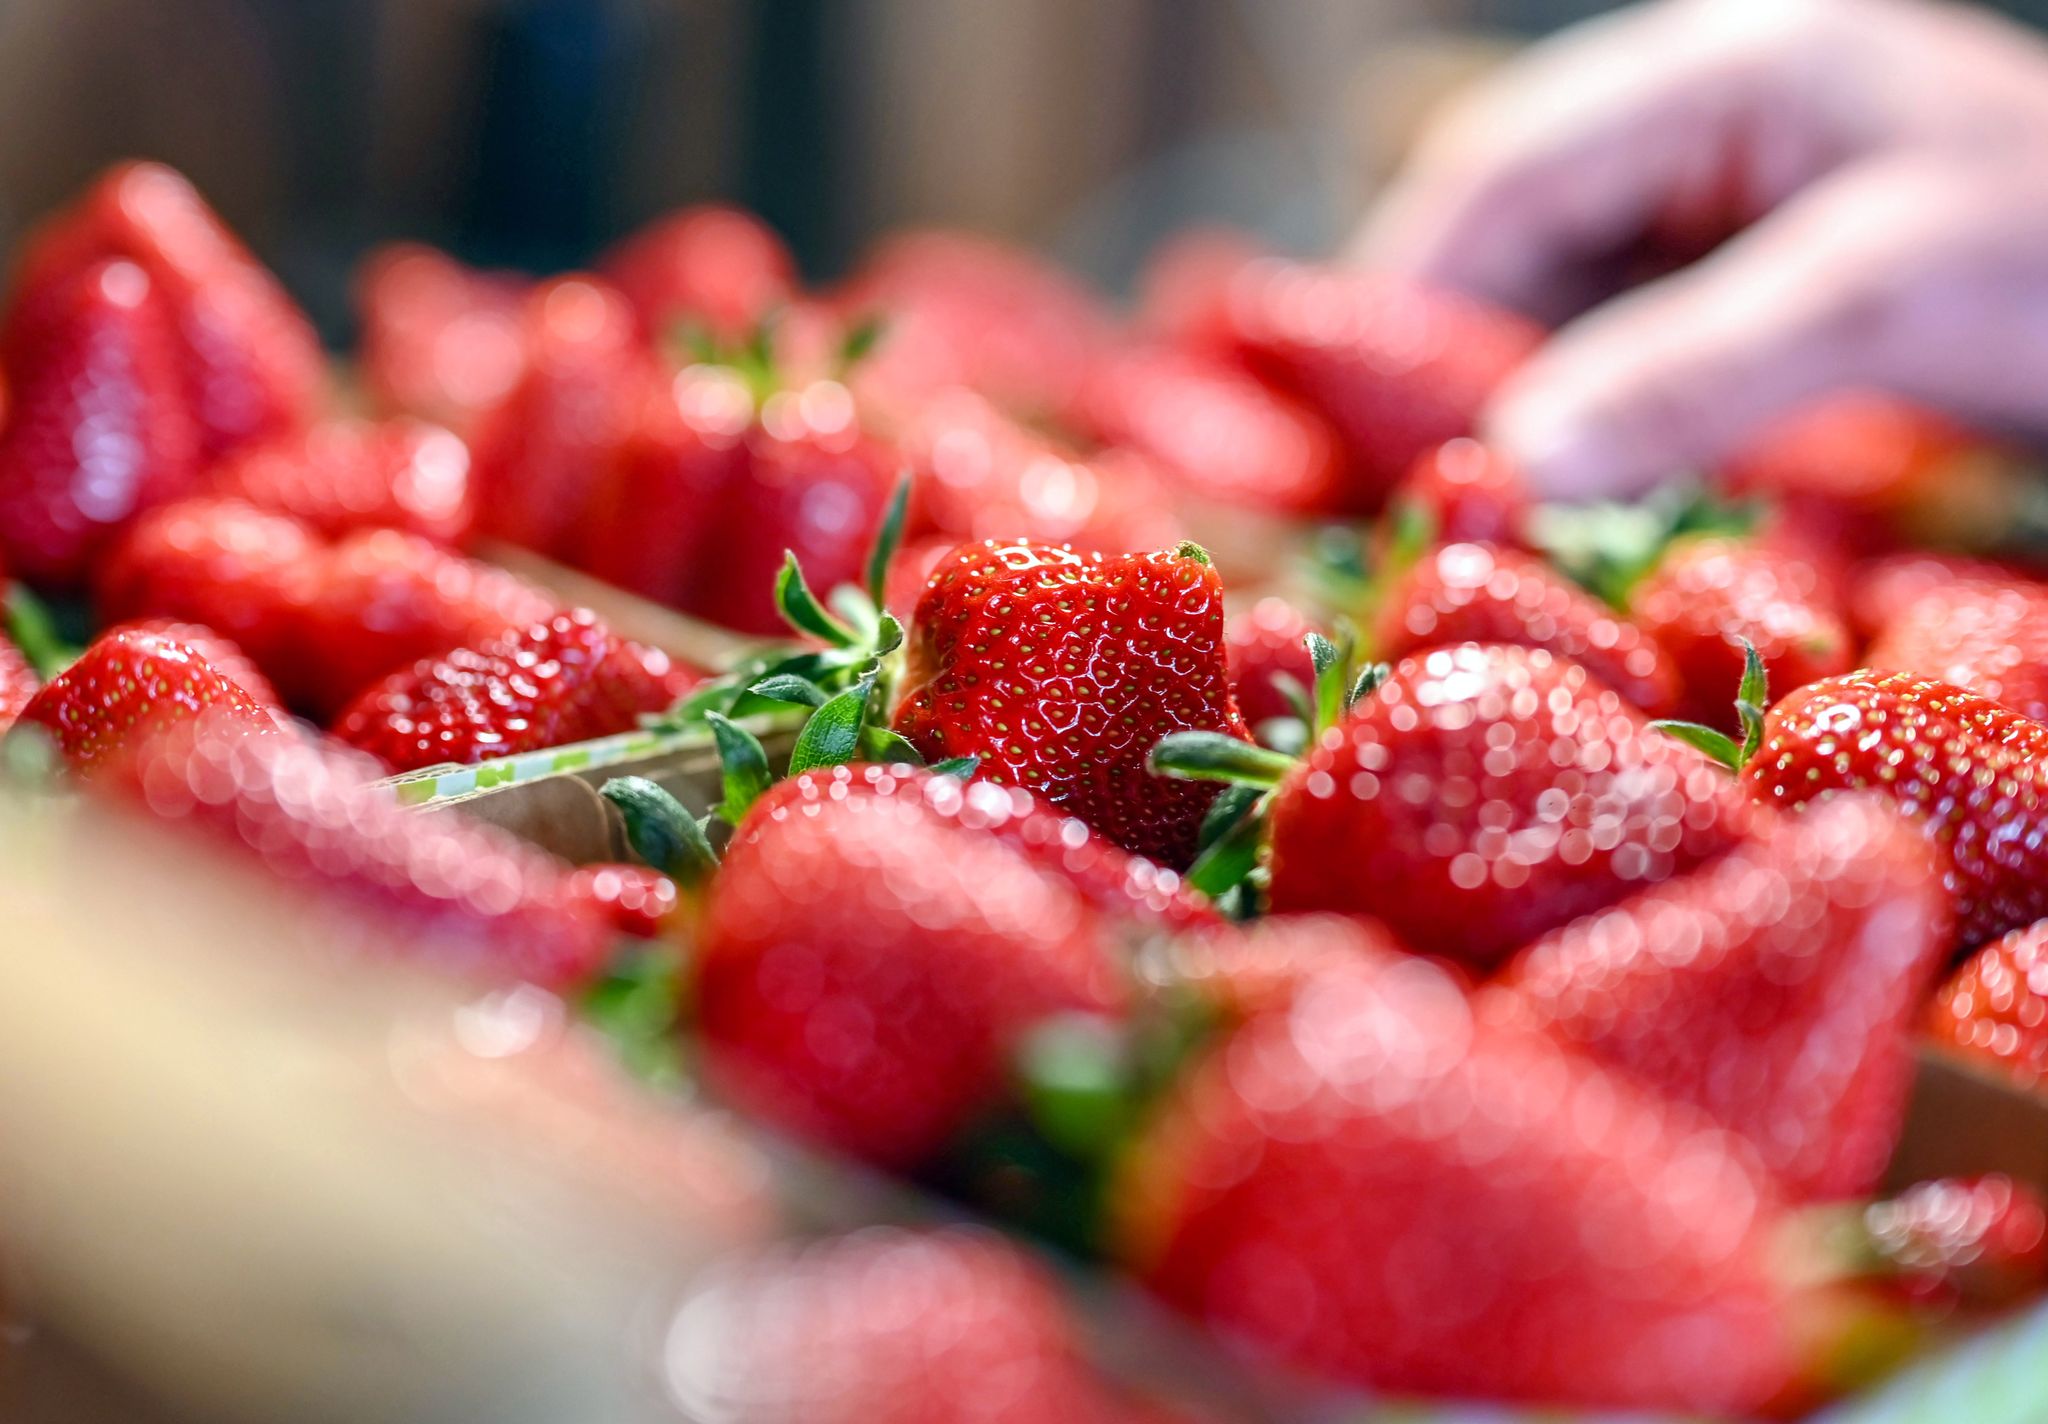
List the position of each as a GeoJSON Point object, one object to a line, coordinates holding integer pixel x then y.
{"type": "Point", "coordinates": [1980, 1240]}
{"type": "Point", "coordinates": [98, 428]}
{"type": "Point", "coordinates": [1062, 671]}
{"type": "Point", "coordinates": [1484, 795]}
{"type": "Point", "coordinates": [1219, 433]}
{"type": "Point", "coordinates": [1467, 493]}
{"type": "Point", "coordinates": [1484, 593]}
{"type": "Point", "coordinates": [18, 683]}
{"type": "Point", "coordinates": [1396, 367]}
{"type": "Point", "coordinates": [1882, 590]}
{"type": "Point", "coordinates": [1372, 1185]}
{"type": "Point", "coordinates": [1266, 639]}
{"type": "Point", "coordinates": [1995, 1007]}
{"type": "Point", "coordinates": [711, 264]}
{"type": "Point", "coordinates": [566, 680]}
{"type": "Point", "coordinates": [1990, 638]}
{"type": "Point", "coordinates": [1709, 595]}
{"type": "Point", "coordinates": [922, 950]}
{"type": "Point", "coordinates": [125, 690]}
{"type": "Point", "coordinates": [439, 340]}
{"type": "Point", "coordinates": [1773, 988]}
{"type": "Point", "coordinates": [1859, 448]}
{"type": "Point", "coordinates": [479, 902]}
{"type": "Point", "coordinates": [225, 656]}
{"type": "Point", "coordinates": [634, 900]}
{"type": "Point", "coordinates": [343, 475]}
{"type": "Point", "coordinates": [1973, 771]}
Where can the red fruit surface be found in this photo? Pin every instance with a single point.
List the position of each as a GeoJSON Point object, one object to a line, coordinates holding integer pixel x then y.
{"type": "Point", "coordinates": [1219, 433]}
{"type": "Point", "coordinates": [1860, 447]}
{"type": "Point", "coordinates": [98, 427]}
{"type": "Point", "coordinates": [565, 680]}
{"type": "Point", "coordinates": [1372, 1185]}
{"type": "Point", "coordinates": [344, 475]}
{"type": "Point", "coordinates": [1061, 672]}
{"type": "Point", "coordinates": [634, 900]}
{"type": "Point", "coordinates": [1266, 639]}
{"type": "Point", "coordinates": [1485, 795]}
{"type": "Point", "coordinates": [1970, 769]}
{"type": "Point", "coordinates": [1466, 493]}
{"type": "Point", "coordinates": [1396, 367]}
{"type": "Point", "coordinates": [1995, 1007]}
{"type": "Point", "coordinates": [439, 341]}
{"type": "Point", "coordinates": [1774, 988]}
{"type": "Point", "coordinates": [1885, 589]}
{"type": "Point", "coordinates": [1990, 638]}
{"type": "Point", "coordinates": [1263, 964]}
{"type": "Point", "coordinates": [18, 683]}
{"type": "Point", "coordinates": [1184, 290]}
{"type": "Point", "coordinates": [1981, 1239]}
{"type": "Point", "coordinates": [710, 264]}
{"type": "Point", "coordinates": [1484, 593]}
{"type": "Point", "coordinates": [126, 689]}
{"type": "Point", "coordinates": [222, 654]}
{"type": "Point", "coordinates": [866, 966]}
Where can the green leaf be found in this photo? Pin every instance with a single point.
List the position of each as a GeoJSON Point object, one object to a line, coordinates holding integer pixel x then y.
{"type": "Point", "coordinates": [1332, 668]}
{"type": "Point", "coordinates": [963, 767]}
{"type": "Point", "coordinates": [662, 833]}
{"type": "Point", "coordinates": [638, 1007]}
{"type": "Point", "coordinates": [1412, 529]}
{"type": "Point", "coordinates": [1368, 682]}
{"type": "Point", "coordinates": [888, 635]}
{"type": "Point", "coordinates": [860, 340]}
{"type": "Point", "coordinates": [856, 610]}
{"type": "Point", "coordinates": [879, 744]}
{"type": "Point", "coordinates": [1751, 697]}
{"type": "Point", "coordinates": [888, 538]}
{"type": "Point", "coordinates": [787, 687]}
{"type": "Point", "coordinates": [32, 629]}
{"type": "Point", "coordinates": [1286, 735]}
{"type": "Point", "coordinates": [832, 736]}
{"type": "Point", "coordinates": [1718, 745]}
{"type": "Point", "coordinates": [1295, 695]}
{"type": "Point", "coordinates": [1074, 1081]}
{"type": "Point", "coordinates": [1232, 805]}
{"type": "Point", "coordinates": [745, 765]}
{"type": "Point", "coordinates": [1212, 756]}
{"type": "Point", "coordinates": [1226, 862]}
{"type": "Point", "coordinates": [802, 611]}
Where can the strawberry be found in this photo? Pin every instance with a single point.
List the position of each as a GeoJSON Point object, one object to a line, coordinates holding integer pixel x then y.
{"type": "Point", "coordinates": [1482, 593]}
{"type": "Point", "coordinates": [223, 655]}
{"type": "Point", "coordinates": [1975, 773]}
{"type": "Point", "coordinates": [1995, 1007]}
{"type": "Point", "coordinates": [1266, 642]}
{"type": "Point", "coordinates": [634, 900]}
{"type": "Point", "coordinates": [895, 1032]}
{"type": "Point", "coordinates": [126, 689]}
{"type": "Point", "coordinates": [18, 683]}
{"type": "Point", "coordinates": [1373, 1185]}
{"type": "Point", "coordinates": [1465, 493]}
{"type": "Point", "coordinates": [439, 340]}
{"type": "Point", "coordinates": [1221, 434]}
{"type": "Point", "coordinates": [566, 680]}
{"type": "Point", "coordinates": [480, 902]}
{"type": "Point", "coordinates": [710, 264]}
{"type": "Point", "coordinates": [1773, 988]}
{"type": "Point", "coordinates": [1060, 671]}
{"type": "Point", "coordinates": [248, 361]}
{"type": "Point", "coordinates": [1858, 447]}
{"type": "Point", "coordinates": [1184, 290]}
{"type": "Point", "coordinates": [1396, 367]}
{"type": "Point", "coordinates": [1481, 796]}
{"type": "Point", "coordinates": [1990, 638]}
{"type": "Point", "coordinates": [343, 475]}
{"type": "Point", "coordinates": [1981, 1240]}
{"type": "Point", "coordinates": [1882, 590]}
{"type": "Point", "coordinates": [98, 429]}
{"type": "Point", "coordinates": [538, 452]}
{"type": "Point", "coordinates": [1710, 595]}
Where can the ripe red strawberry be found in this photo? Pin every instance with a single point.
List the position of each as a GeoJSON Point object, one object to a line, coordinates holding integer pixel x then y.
{"type": "Point", "coordinates": [715, 265]}
{"type": "Point", "coordinates": [634, 900]}
{"type": "Point", "coordinates": [1774, 988]}
{"type": "Point", "coordinates": [222, 564]}
{"type": "Point", "coordinates": [1979, 1240]}
{"type": "Point", "coordinates": [223, 655]}
{"type": "Point", "coordinates": [481, 902]}
{"type": "Point", "coordinates": [98, 429]}
{"type": "Point", "coordinates": [249, 364]}
{"type": "Point", "coordinates": [343, 475]}
{"type": "Point", "coordinates": [1990, 638]}
{"type": "Point", "coordinates": [889, 1326]}
{"type": "Point", "coordinates": [1995, 1007]}
{"type": "Point", "coordinates": [1373, 1185]}
{"type": "Point", "coordinates": [1707, 596]}
{"type": "Point", "coordinates": [1883, 590]}
{"type": "Point", "coordinates": [18, 683]}
{"type": "Point", "coordinates": [1862, 448]}
{"type": "Point", "coordinates": [539, 451]}
{"type": "Point", "coordinates": [440, 341]}
{"type": "Point", "coordinates": [1394, 366]}
{"type": "Point", "coordinates": [1483, 593]}
{"type": "Point", "coordinates": [1464, 492]}
{"type": "Point", "coordinates": [1184, 290]}
{"type": "Point", "coordinates": [565, 680]}
{"type": "Point", "coordinates": [922, 949]}
{"type": "Point", "coordinates": [1974, 772]}
{"type": "Point", "coordinates": [1221, 434]}
{"type": "Point", "coordinates": [125, 690]}
{"type": "Point", "coordinates": [1061, 671]}
{"type": "Point", "coordinates": [1482, 796]}
{"type": "Point", "coordinates": [1265, 640]}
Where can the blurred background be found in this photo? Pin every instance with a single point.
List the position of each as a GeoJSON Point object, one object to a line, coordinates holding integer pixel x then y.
{"type": "Point", "coordinates": [528, 133]}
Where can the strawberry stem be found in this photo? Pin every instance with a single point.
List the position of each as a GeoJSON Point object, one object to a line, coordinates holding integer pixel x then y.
{"type": "Point", "coordinates": [801, 609]}
{"type": "Point", "coordinates": [1212, 756]}
{"type": "Point", "coordinates": [888, 538]}
{"type": "Point", "coordinates": [1189, 549]}
{"type": "Point", "coordinates": [744, 763]}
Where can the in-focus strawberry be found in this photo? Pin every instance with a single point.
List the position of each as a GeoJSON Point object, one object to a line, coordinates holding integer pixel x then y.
{"type": "Point", "coordinates": [565, 680]}
{"type": "Point", "coordinates": [127, 689]}
{"type": "Point", "coordinates": [343, 475]}
{"type": "Point", "coordinates": [712, 265]}
{"type": "Point", "coordinates": [1995, 1007]}
{"type": "Point", "coordinates": [1266, 642]}
{"type": "Point", "coordinates": [1061, 671]}
{"type": "Point", "coordinates": [1774, 988]}
{"type": "Point", "coordinates": [1485, 593]}
{"type": "Point", "coordinates": [439, 340]}
{"type": "Point", "coordinates": [225, 656]}
{"type": "Point", "coordinates": [99, 428]}
{"type": "Point", "coordinates": [1989, 637]}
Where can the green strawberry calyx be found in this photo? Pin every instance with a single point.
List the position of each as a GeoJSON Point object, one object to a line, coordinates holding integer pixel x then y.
{"type": "Point", "coordinates": [1752, 696]}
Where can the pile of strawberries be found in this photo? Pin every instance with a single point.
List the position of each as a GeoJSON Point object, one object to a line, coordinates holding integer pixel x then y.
{"type": "Point", "coordinates": [1445, 946]}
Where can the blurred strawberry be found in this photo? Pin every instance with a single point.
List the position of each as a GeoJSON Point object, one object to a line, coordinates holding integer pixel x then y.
{"type": "Point", "coordinates": [1995, 1007]}
{"type": "Point", "coordinates": [18, 683]}
{"type": "Point", "coordinates": [1264, 641]}
{"type": "Point", "coordinates": [1774, 988]}
{"type": "Point", "coordinates": [126, 689]}
{"type": "Point", "coordinates": [1982, 1241]}
{"type": "Point", "coordinates": [633, 899]}
{"type": "Point", "coordinates": [99, 428]}
{"type": "Point", "coordinates": [1463, 492]}
{"type": "Point", "coordinates": [343, 475]}
{"type": "Point", "coordinates": [440, 341]}
{"type": "Point", "coordinates": [222, 654]}
{"type": "Point", "coordinates": [1184, 290]}
{"type": "Point", "coordinates": [1883, 590]}
{"type": "Point", "coordinates": [1990, 638]}
{"type": "Point", "coordinates": [1862, 448]}
{"type": "Point", "coordinates": [710, 264]}
{"type": "Point", "coordinates": [565, 680]}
